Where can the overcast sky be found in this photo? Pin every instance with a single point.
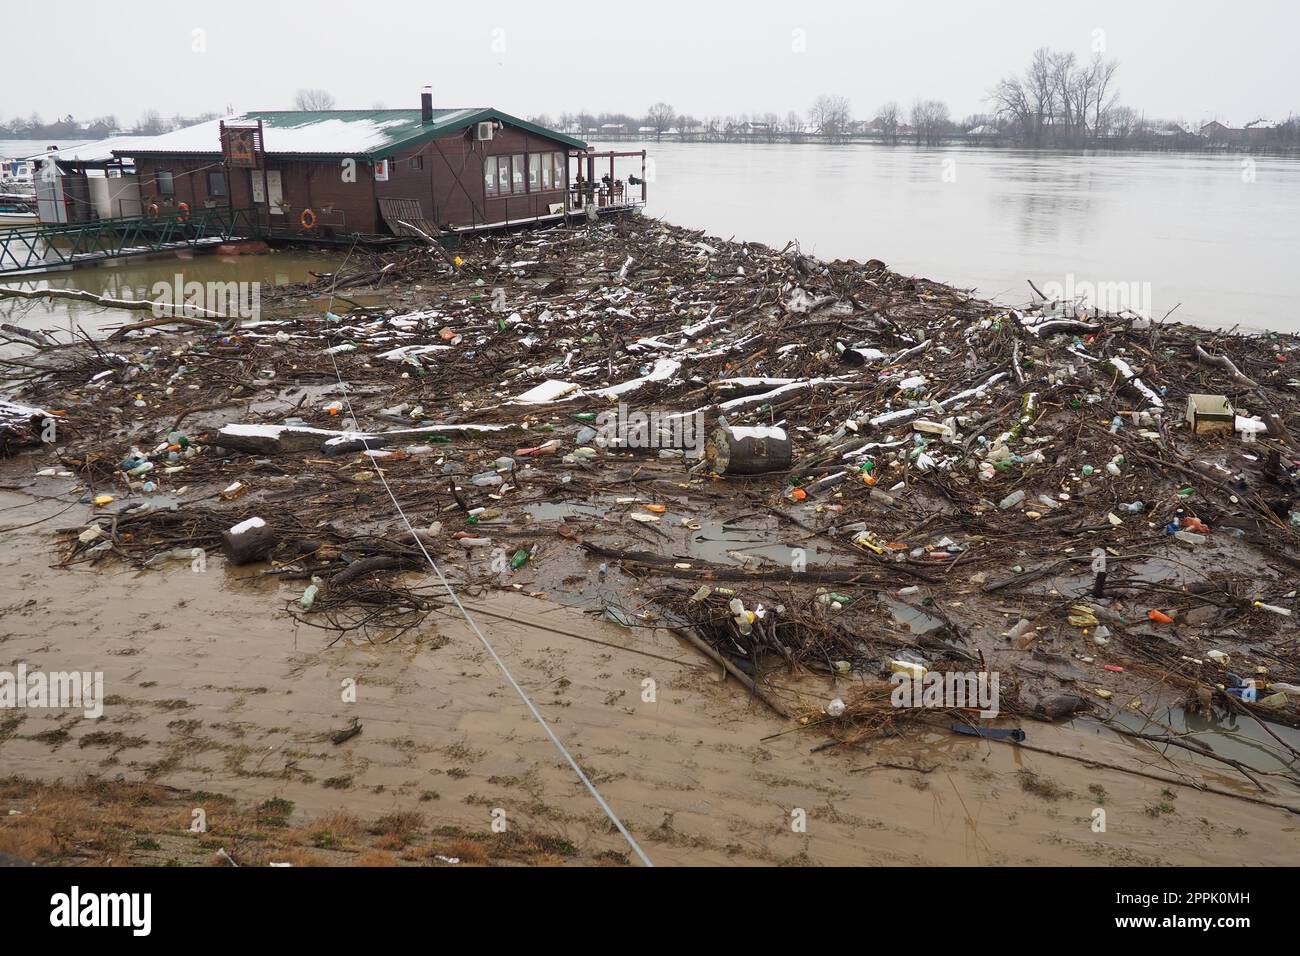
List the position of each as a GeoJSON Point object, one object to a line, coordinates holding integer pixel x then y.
{"type": "Point", "coordinates": [1180, 59]}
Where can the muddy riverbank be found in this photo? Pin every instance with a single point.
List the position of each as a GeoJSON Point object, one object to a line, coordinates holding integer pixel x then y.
{"type": "Point", "coordinates": [213, 690]}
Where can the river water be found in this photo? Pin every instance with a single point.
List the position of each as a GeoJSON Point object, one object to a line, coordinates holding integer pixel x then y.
{"type": "Point", "coordinates": [1214, 235]}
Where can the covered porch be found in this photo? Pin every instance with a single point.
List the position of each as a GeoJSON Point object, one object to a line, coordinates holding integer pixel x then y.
{"type": "Point", "coordinates": [596, 180]}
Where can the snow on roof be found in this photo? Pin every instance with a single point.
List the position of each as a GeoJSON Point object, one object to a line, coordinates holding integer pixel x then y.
{"type": "Point", "coordinates": [324, 132]}
{"type": "Point", "coordinates": [99, 151]}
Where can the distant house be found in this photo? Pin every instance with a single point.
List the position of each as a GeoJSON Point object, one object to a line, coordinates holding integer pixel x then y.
{"type": "Point", "coordinates": [613, 127]}
{"type": "Point", "coordinates": [1258, 132]}
{"type": "Point", "coordinates": [984, 132]}
{"type": "Point", "coordinates": [1216, 132]}
{"type": "Point", "coordinates": [1255, 133]}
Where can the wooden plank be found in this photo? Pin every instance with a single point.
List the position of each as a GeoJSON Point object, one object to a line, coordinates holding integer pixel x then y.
{"type": "Point", "coordinates": [396, 211]}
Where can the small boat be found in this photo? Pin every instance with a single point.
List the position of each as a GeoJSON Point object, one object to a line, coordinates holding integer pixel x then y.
{"type": "Point", "coordinates": [17, 211]}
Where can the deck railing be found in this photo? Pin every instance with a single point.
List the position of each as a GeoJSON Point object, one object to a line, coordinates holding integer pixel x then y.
{"type": "Point", "coordinates": [46, 245]}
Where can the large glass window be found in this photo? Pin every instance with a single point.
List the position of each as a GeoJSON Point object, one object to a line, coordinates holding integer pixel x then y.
{"type": "Point", "coordinates": [548, 170]}
{"type": "Point", "coordinates": [534, 172]}
{"type": "Point", "coordinates": [560, 163]}
{"type": "Point", "coordinates": [503, 175]}
{"type": "Point", "coordinates": [490, 175]}
{"type": "Point", "coordinates": [217, 184]}
{"type": "Point", "coordinates": [519, 174]}
{"type": "Point", "coordinates": [166, 184]}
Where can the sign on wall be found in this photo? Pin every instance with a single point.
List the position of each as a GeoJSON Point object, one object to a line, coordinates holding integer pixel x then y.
{"type": "Point", "coordinates": [381, 170]}
{"type": "Point", "coordinates": [241, 146]}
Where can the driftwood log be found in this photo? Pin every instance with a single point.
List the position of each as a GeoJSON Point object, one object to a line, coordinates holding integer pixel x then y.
{"type": "Point", "coordinates": [1225, 363]}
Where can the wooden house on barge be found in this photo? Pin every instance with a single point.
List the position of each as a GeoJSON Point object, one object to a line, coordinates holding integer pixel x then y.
{"type": "Point", "coordinates": [336, 174]}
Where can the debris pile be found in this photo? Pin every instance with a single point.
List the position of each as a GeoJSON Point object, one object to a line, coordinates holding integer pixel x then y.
{"type": "Point", "coordinates": [812, 468]}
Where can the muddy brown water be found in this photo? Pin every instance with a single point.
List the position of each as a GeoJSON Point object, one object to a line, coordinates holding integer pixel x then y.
{"type": "Point", "coordinates": [136, 278]}
{"type": "Point", "coordinates": [211, 686]}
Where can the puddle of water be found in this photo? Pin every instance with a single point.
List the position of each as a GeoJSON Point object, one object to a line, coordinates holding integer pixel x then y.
{"type": "Point", "coordinates": [714, 541]}
{"type": "Point", "coordinates": [1228, 734]}
{"type": "Point", "coordinates": [911, 617]}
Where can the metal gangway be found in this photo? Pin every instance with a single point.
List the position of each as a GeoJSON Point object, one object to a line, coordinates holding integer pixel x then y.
{"type": "Point", "coordinates": [39, 247]}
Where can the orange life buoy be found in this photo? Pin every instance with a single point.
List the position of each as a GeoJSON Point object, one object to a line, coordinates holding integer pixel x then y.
{"type": "Point", "coordinates": [308, 219]}
{"type": "Point", "coordinates": [182, 211]}
{"type": "Point", "coordinates": [153, 209]}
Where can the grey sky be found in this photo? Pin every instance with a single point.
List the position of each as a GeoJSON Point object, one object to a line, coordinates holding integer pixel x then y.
{"type": "Point", "coordinates": [1180, 59]}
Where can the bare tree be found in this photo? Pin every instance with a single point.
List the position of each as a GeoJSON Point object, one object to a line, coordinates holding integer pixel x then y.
{"type": "Point", "coordinates": [830, 116]}
{"type": "Point", "coordinates": [887, 121]}
{"type": "Point", "coordinates": [661, 118]}
{"type": "Point", "coordinates": [151, 123]}
{"type": "Point", "coordinates": [1057, 100]}
{"type": "Point", "coordinates": [1123, 122]}
{"type": "Point", "coordinates": [312, 100]}
{"type": "Point", "coordinates": [1029, 103]}
{"type": "Point", "coordinates": [929, 121]}
{"type": "Point", "coordinates": [1104, 99]}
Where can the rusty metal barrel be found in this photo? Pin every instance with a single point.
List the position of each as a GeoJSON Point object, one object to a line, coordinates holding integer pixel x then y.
{"type": "Point", "coordinates": [749, 450]}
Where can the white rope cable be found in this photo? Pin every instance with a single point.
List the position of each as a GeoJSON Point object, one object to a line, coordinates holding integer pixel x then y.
{"type": "Point", "coordinates": [591, 787]}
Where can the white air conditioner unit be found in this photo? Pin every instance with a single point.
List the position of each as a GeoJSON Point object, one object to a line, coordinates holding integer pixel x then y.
{"type": "Point", "coordinates": [483, 131]}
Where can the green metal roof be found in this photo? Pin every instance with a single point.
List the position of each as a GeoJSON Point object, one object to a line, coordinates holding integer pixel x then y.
{"type": "Point", "coordinates": [368, 134]}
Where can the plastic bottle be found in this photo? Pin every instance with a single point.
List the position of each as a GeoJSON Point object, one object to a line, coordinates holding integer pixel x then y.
{"type": "Point", "coordinates": [877, 495]}
{"type": "Point", "coordinates": [309, 596]}
{"type": "Point", "coordinates": [910, 668]}
{"type": "Point", "coordinates": [175, 554]}
{"type": "Point", "coordinates": [1011, 500]}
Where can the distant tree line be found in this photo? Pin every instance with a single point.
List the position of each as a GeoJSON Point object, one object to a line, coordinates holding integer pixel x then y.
{"type": "Point", "coordinates": [1058, 101]}
{"type": "Point", "coordinates": [150, 123]}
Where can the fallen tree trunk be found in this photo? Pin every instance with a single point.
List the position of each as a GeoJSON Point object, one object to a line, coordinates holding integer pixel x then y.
{"type": "Point", "coordinates": [139, 305]}
{"type": "Point", "coordinates": [1225, 363]}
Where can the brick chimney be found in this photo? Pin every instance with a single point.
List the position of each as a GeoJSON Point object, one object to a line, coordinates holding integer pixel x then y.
{"type": "Point", "coordinates": [426, 105]}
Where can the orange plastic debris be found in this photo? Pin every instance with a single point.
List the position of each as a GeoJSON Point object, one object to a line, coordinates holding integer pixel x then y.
{"type": "Point", "coordinates": [655, 509]}
{"type": "Point", "coordinates": [1160, 616]}
{"type": "Point", "coordinates": [798, 494]}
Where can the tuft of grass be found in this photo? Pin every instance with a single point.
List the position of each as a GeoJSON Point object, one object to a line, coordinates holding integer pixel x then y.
{"type": "Point", "coordinates": [397, 830]}
{"type": "Point", "coordinates": [275, 812]}
{"type": "Point", "coordinates": [1041, 786]}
